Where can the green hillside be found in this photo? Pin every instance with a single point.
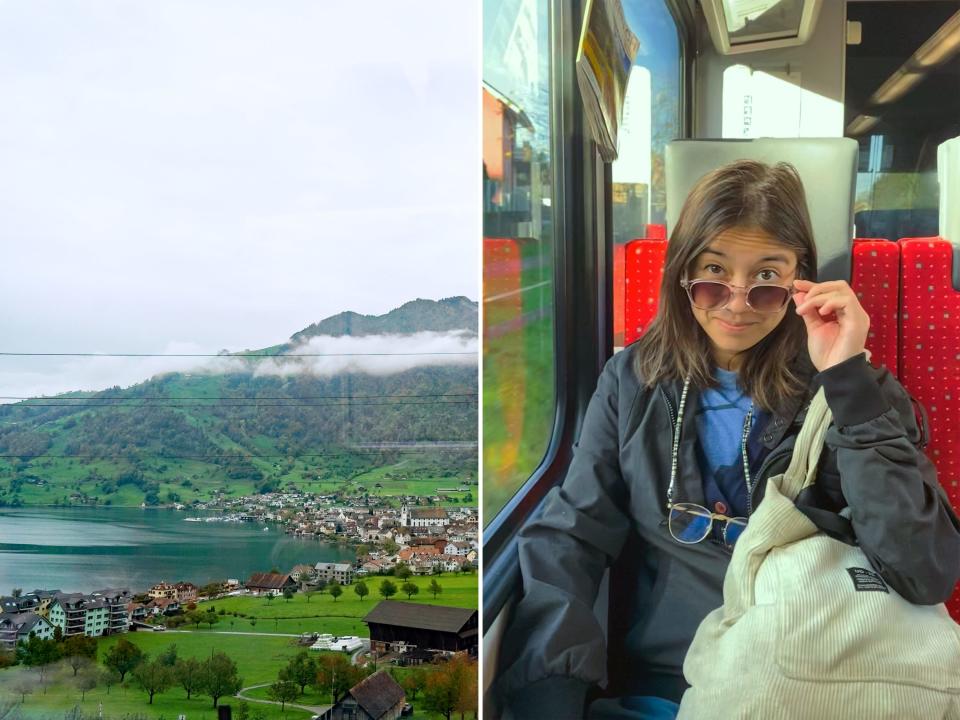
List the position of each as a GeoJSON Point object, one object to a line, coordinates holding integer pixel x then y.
{"type": "Point", "coordinates": [182, 437]}
{"type": "Point", "coordinates": [456, 313]}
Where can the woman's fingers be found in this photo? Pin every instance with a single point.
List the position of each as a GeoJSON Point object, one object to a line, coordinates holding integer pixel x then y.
{"type": "Point", "coordinates": [833, 300]}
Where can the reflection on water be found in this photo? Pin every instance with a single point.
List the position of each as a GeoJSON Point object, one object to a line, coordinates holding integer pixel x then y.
{"type": "Point", "coordinates": [85, 549]}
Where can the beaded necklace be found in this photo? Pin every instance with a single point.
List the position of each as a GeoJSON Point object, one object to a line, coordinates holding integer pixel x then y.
{"type": "Point", "coordinates": [676, 448]}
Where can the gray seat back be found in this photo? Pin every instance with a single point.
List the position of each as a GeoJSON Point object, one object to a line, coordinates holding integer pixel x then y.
{"type": "Point", "coordinates": [827, 166]}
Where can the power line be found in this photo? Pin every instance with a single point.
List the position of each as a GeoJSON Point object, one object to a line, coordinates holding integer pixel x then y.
{"type": "Point", "coordinates": [237, 405]}
{"type": "Point", "coordinates": [239, 397]}
{"type": "Point", "coordinates": [43, 456]}
{"type": "Point", "coordinates": [232, 355]}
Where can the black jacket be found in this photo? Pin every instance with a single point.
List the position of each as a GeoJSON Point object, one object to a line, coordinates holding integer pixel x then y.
{"type": "Point", "coordinates": [611, 510]}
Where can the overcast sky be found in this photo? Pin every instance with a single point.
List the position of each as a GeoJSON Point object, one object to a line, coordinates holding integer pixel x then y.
{"type": "Point", "coordinates": [198, 175]}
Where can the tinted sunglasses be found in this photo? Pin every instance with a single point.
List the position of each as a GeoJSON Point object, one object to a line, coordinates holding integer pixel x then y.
{"type": "Point", "coordinates": [714, 295]}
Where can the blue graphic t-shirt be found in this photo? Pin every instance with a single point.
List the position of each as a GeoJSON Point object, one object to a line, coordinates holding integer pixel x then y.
{"type": "Point", "coordinates": [720, 419]}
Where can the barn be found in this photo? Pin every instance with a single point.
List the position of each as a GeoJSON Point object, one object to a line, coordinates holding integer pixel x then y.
{"type": "Point", "coordinates": [423, 627]}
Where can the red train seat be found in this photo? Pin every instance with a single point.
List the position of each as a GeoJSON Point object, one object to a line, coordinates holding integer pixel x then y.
{"type": "Point", "coordinates": [930, 354]}
{"type": "Point", "coordinates": [643, 265]}
{"type": "Point", "coordinates": [876, 280]}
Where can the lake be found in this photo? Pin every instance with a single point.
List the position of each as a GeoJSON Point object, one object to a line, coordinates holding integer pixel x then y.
{"type": "Point", "coordinates": [86, 549]}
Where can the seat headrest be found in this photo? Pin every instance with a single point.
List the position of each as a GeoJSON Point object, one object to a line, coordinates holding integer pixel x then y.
{"type": "Point", "coordinates": [948, 173]}
{"type": "Point", "coordinates": [827, 166]}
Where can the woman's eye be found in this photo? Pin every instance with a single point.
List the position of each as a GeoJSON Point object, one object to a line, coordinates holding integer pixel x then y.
{"type": "Point", "coordinates": [767, 275]}
{"type": "Point", "coordinates": [713, 269]}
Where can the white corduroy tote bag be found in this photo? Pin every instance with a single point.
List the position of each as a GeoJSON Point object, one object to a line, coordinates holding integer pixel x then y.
{"type": "Point", "coordinates": [809, 630]}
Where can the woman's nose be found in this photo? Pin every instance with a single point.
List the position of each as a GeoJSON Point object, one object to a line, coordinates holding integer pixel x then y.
{"type": "Point", "coordinates": [738, 301]}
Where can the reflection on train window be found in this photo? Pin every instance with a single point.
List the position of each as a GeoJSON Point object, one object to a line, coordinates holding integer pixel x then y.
{"type": "Point", "coordinates": [901, 102]}
{"type": "Point", "coordinates": [651, 119]}
{"type": "Point", "coordinates": [518, 327]}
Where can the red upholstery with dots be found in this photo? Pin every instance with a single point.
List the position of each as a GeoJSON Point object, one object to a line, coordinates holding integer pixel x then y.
{"type": "Point", "coordinates": [619, 280]}
{"type": "Point", "coordinates": [930, 354]}
{"type": "Point", "coordinates": [643, 265]}
{"type": "Point", "coordinates": [876, 274]}
{"type": "Point", "coordinates": [656, 232]}
{"type": "Point", "coordinates": [620, 337]}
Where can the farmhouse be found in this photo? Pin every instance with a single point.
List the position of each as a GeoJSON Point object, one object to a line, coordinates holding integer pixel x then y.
{"type": "Point", "coordinates": [377, 697]}
{"type": "Point", "coordinates": [401, 625]}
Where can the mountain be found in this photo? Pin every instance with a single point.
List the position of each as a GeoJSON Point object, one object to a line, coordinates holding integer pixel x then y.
{"type": "Point", "coordinates": [455, 313]}
{"type": "Point", "coordinates": [183, 437]}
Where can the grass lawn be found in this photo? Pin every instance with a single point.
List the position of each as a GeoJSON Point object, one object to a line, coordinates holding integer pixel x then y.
{"type": "Point", "coordinates": [132, 702]}
{"type": "Point", "coordinates": [324, 615]}
{"type": "Point", "coordinates": [258, 660]}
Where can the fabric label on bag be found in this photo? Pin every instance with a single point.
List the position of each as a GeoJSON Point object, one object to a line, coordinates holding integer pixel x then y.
{"type": "Point", "coordinates": [867, 580]}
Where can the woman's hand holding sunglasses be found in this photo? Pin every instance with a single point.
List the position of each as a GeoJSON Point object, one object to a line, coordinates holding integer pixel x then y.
{"type": "Point", "coordinates": [836, 322]}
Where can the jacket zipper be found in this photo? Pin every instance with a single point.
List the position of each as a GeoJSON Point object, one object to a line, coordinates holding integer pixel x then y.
{"type": "Point", "coordinates": [673, 415]}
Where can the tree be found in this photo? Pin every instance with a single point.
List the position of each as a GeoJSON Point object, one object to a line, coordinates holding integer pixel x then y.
{"type": "Point", "coordinates": [301, 670]}
{"type": "Point", "coordinates": [124, 657]}
{"type": "Point", "coordinates": [390, 546]}
{"type": "Point", "coordinates": [362, 551]}
{"type": "Point", "coordinates": [402, 571]}
{"type": "Point", "coordinates": [79, 662]}
{"type": "Point", "coordinates": [414, 682]}
{"type": "Point", "coordinates": [188, 675]}
{"type": "Point", "coordinates": [35, 652]}
{"type": "Point", "coordinates": [243, 710]}
{"type": "Point", "coordinates": [17, 592]}
{"type": "Point", "coordinates": [410, 589]}
{"type": "Point", "coordinates": [282, 691]}
{"type": "Point", "coordinates": [335, 675]}
{"type": "Point", "coordinates": [195, 617]}
{"type": "Point", "coordinates": [361, 589]}
{"type": "Point", "coordinates": [109, 678]}
{"type": "Point", "coordinates": [466, 568]}
{"type": "Point", "coordinates": [321, 585]}
{"type": "Point", "coordinates": [308, 594]}
{"type": "Point", "coordinates": [388, 589]}
{"type": "Point", "coordinates": [436, 588]}
{"type": "Point", "coordinates": [211, 618]}
{"type": "Point", "coordinates": [79, 650]}
{"type": "Point", "coordinates": [335, 590]}
{"type": "Point", "coordinates": [219, 677]}
{"type": "Point", "coordinates": [169, 656]}
{"type": "Point", "coordinates": [253, 622]}
{"type": "Point", "coordinates": [153, 677]}
{"type": "Point", "coordinates": [287, 594]}
{"type": "Point", "coordinates": [452, 687]}
{"type": "Point", "coordinates": [270, 597]}
{"type": "Point", "coordinates": [86, 681]}
{"type": "Point", "coordinates": [23, 687]}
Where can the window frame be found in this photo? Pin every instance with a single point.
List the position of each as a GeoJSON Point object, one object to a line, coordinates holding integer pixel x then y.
{"type": "Point", "coordinates": [583, 268]}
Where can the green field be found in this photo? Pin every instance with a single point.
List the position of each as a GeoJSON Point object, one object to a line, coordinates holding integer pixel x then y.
{"type": "Point", "coordinates": [324, 615]}
{"type": "Point", "coordinates": [257, 662]}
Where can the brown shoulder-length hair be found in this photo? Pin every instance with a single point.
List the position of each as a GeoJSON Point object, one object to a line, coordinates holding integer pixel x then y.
{"type": "Point", "coordinates": [744, 194]}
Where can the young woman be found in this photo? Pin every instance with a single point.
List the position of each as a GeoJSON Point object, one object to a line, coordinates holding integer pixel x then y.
{"type": "Point", "coordinates": [684, 429]}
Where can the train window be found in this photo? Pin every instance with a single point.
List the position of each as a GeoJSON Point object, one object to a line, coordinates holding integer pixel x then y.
{"type": "Point", "coordinates": [519, 400]}
{"type": "Point", "coordinates": [901, 103]}
{"type": "Point", "coordinates": [651, 119]}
